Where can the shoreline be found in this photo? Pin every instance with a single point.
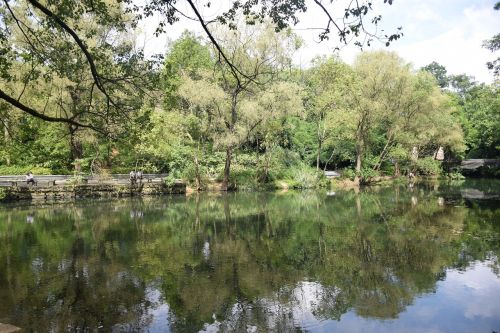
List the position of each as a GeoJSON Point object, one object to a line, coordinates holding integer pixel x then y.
{"type": "Point", "coordinates": [87, 191]}
{"type": "Point", "coordinates": [71, 193]}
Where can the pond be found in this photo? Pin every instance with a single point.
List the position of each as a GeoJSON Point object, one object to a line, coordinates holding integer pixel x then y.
{"type": "Point", "coordinates": [387, 259]}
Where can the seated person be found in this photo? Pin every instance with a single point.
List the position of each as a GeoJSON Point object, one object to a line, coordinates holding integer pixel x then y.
{"type": "Point", "coordinates": [132, 177]}
{"type": "Point", "coordinates": [30, 178]}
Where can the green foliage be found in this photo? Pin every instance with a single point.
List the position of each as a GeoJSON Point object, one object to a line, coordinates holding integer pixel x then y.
{"type": "Point", "coordinates": [75, 180]}
{"type": "Point", "coordinates": [3, 193]}
{"type": "Point", "coordinates": [367, 117]}
{"type": "Point", "coordinates": [455, 176]}
{"type": "Point", "coordinates": [348, 173]}
{"type": "Point", "coordinates": [368, 172]}
{"type": "Point", "coordinates": [481, 120]}
{"type": "Point", "coordinates": [22, 170]}
{"type": "Point", "coordinates": [303, 177]}
{"type": "Point", "coordinates": [186, 56]}
{"type": "Point", "coordinates": [439, 72]}
{"type": "Point", "coordinates": [302, 138]}
{"type": "Point", "coordinates": [169, 180]}
{"type": "Point", "coordinates": [266, 118]}
{"type": "Point", "coordinates": [245, 178]}
{"type": "Point", "coordinates": [399, 110]}
{"type": "Point", "coordinates": [428, 166]}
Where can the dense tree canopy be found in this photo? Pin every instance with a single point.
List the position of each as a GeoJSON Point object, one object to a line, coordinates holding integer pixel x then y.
{"type": "Point", "coordinates": [42, 35]}
{"type": "Point", "coordinates": [230, 106]}
{"type": "Point", "coordinates": [477, 108]}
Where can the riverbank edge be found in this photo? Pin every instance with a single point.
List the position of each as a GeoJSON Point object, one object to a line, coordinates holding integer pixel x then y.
{"type": "Point", "coordinates": [283, 184]}
{"type": "Point", "coordinates": [84, 191]}
{"type": "Point", "coordinates": [110, 191]}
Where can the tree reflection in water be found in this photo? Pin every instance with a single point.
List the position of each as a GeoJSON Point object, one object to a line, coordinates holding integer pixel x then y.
{"type": "Point", "coordinates": [237, 261]}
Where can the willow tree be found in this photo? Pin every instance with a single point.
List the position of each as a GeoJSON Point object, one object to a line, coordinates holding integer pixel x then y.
{"type": "Point", "coordinates": [330, 82]}
{"type": "Point", "coordinates": [60, 23]}
{"type": "Point", "coordinates": [237, 105]}
{"type": "Point", "coordinates": [396, 108]}
{"type": "Point", "coordinates": [421, 116]}
{"type": "Point", "coordinates": [49, 74]}
{"type": "Point", "coordinates": [375, 71]}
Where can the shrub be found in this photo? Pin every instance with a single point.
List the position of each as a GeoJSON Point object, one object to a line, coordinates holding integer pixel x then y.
{"type": "Point", "coordinates": [455, 176]}
{"type": "Point", "coordinates": [22, 170]}
{"type": "Point", "coordinates": [367, 172]}
{"type": "Point", "coordinates": [303, 176]}
{"type": "Point", "coordinates": [121, 170]}
{"type": "Point", "coordinates": [428, 166]}
{"type": "Point", "coordinates": [348, 174]}
{"type": "Point", "coordinates": [244, 178]}
{"type": "Point", "coordinates": [77, 179]}
{"type": "Point", "coordinates": [169, 180]}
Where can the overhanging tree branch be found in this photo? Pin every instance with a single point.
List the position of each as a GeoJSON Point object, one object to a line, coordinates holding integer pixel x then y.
{"type": "Point", "coordinates": [33, 112]}
{"type": "Point", "coordinates": [234, 70]}
{"type": "Point", "coordinates": [79, 42]}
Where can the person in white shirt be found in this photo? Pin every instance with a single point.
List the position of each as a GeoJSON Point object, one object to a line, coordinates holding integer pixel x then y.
{"type": "Point", "coordinates": [30, 178]}
{"type": "Point", "coordinates": [132, 177]}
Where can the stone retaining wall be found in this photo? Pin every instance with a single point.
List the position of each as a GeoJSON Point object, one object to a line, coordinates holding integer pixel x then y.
{"type": "Point", "coordinates": [65, 192]}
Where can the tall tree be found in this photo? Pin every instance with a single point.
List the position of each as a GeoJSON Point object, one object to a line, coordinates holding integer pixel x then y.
{"type": "Point", "coordinates": [439, 72]}
{"type": "Point", "coordinates": [259, 53]}
{"type": "Point", "coordinates": [89, 53]}
{"type": "Point", "coordinates": [329, 84]}
{"type": "Point", "coordinates": [60, 22]}
{"type": "Point", "coordinates": [398, 109]}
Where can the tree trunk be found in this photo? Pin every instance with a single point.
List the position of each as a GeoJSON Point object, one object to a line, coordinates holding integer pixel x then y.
{"type": "Point", "coordinates": [227, 168]}
{"type": "Point", "coordinates": [197, 173]}
{"type": "Point", "coordinates": [75, 148]}
{"type": "Point", "coordinates": [329, 159]}
{"type": "Point", "coordinates": [197, 168]}
{"type": "Point", "coordinates": [108, 154]}
{"type": "Point", "coordinates": [318, 153]}
{"type": "Point", "coordinates": [6, 140]}
{"type": "Point", "coordinates": [229, 149]}
{"type": "Point", "coordinates": [359, 156]}
{"type": "Point", "coordinates": [383, 153]}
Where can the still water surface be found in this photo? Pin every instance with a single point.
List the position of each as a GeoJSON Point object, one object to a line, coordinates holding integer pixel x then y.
{"type": "Point", "coordinates": [388, 259]}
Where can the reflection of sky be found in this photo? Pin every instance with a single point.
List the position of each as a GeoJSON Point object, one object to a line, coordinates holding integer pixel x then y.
{"type": "Point", "coordinates": [465, 302]}
{"type": "Point", "coordinates": [160, 313]}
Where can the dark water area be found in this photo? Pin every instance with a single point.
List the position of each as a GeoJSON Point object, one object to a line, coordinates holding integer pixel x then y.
{"type": "Point", "coordinates": [389, 259]}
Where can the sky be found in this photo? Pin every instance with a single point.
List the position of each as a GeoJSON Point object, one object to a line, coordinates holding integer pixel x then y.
{"type": "Point", "coordinates": [450, 32]}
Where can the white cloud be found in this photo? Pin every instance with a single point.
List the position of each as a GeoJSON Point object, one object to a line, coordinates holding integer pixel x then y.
{"type": "Point", "coordinates": [454, 41]}
{"type": "Point", "coordinates": [458, 48]}
{"type": "Point", "coordinates": [450, 32]}
{"type": "Point", "coordinates": [425, 13]}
